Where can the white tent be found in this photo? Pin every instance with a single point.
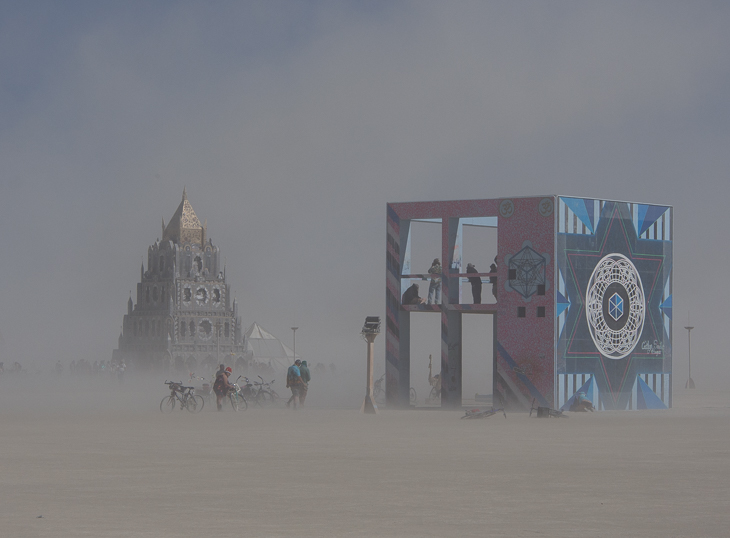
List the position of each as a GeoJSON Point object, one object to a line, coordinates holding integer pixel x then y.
{"type": "Point", "coordinates": [266, 348]}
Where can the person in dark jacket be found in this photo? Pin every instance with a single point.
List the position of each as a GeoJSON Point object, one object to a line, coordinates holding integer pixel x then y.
{"type": "Point", "coordinates": [411, 295]}
{"type": "Point", "coordinates": [493, 279]}
{"type": "Point", "coordinates": [294, 382]}
{"type": "Point", "coordinates": [476, 283]}
{"type": "Point", "coordinates": [306, 377]}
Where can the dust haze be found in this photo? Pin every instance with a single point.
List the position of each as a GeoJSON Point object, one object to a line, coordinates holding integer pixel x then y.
{"type": "Point", "coordinates": [292, 125]}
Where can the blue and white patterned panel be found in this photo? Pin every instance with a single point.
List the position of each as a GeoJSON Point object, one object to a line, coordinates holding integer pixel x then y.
{"type": "Point", "coordinates": [652, 221]}
{"type": "Point", "coordinates": [562, 303]}
{"type": "Point", "coordinates": [578, 216]}
{"type": "Point", "coordinates": [659, 383]}
{"type": "Point", "coordinates": [666, 305]}
{"type": "Point", "coordinates": [573, 382]}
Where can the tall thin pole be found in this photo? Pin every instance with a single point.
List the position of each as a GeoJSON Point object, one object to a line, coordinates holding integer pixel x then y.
{"type": "Point", "coordinates": [294, 330]}
{"type": "Point", "coordinates": [690, 384]}
{"type": "Point", "coordinates": [218, 341]}
{"type": "Point", "coordinates": [369, 406]}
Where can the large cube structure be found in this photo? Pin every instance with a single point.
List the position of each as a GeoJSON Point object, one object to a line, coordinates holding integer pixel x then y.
{"type": "Point", "coordinates": [584, 300]}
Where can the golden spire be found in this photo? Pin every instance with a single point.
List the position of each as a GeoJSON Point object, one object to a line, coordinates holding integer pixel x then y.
{"type": "Point", "coordinates": [184, 226]}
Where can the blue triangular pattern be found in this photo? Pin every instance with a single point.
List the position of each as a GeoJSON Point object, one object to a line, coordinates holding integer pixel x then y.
{"type": "Point", "coordinates": [578, 206]}
{"type": "Point", "coordinates": [560, 308]}
{"type": "Point", "coordinates": [666, 307]}
{"type": "Point", "coordinates": [646, 397]}
{"type": "Point", "coordinates": [589, 212]}
{"type": "Point", "coordinates": [561, 298]}
{"type": "Point", "coordinates": [651, 214]}
{"type": "Point", "coordinates": [641, 211]}
{"type": "Point", "coordinates": [589, 387]}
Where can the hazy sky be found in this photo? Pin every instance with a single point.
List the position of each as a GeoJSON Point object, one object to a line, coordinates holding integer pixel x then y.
{"type": "Point", "coordinates": [292, 124]}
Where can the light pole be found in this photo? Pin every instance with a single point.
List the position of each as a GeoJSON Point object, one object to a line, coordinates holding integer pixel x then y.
{"type": "Point", "coordinates": [690, 384]}
{"type": "Point", "coordinates": [294, 330]}
{"type": "Point", "coordinates": [370, 330]}
{"type": "Point", "coordinates": [218, 341]}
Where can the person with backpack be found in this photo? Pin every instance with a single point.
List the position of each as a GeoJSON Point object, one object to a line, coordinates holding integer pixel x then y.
{"type": "Point", "coordinates": [222, 386]}
{"type": "Point", "coordinates": [294, 382]}
{"type": "Point", "coordinates": [306, 377]}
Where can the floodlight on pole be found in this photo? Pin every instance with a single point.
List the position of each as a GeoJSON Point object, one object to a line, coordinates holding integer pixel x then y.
{"type": "Point", "coordinates": [370, 330]}
{"type": "Point", "coordinates": [294, 330]}
{"type": "Point", "coordinates": [690, 384]}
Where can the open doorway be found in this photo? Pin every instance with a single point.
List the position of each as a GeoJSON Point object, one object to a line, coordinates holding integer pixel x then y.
{"type": "Point", "coordinates": [425, 341]}
{"type": "Point", "coordinates": [477, 359]}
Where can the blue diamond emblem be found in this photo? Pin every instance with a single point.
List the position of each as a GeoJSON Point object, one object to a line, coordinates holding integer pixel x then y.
{"type": "Point", "coordinates": [616, 306]}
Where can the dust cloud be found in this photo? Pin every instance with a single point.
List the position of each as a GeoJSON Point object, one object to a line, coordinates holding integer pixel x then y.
{"type": "Point", "coordinates": [90, 456]}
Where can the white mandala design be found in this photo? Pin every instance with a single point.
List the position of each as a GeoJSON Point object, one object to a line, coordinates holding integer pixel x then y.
{"type": "Point", "coordinates": [611, 270]}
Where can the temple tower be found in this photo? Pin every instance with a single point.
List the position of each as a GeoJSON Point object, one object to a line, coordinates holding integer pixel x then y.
{"type": "Point", "coordinates": [183, 317]}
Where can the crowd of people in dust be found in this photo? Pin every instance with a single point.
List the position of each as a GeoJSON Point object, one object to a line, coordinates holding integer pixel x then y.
{"type": "Point", "coordinates": [81, 367]}
{"type": "Point", "coordinates": [411, 295]}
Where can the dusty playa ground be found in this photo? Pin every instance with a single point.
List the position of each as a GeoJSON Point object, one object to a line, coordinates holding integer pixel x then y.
{"type": "Point", "coordinates": [119, 470]}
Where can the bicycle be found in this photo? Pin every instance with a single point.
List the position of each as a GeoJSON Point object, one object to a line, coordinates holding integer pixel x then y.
{"type": "Point", "coordinates": [207, 391]}
{"type": "Point", "coordinates": [546, 412]}
{"type": "Point", "coordinates": [379, 392]}
{"type": "Point", "coordinates": [378, 387]}
{"type": "Point", "coordinates": [238, 400]}
{"type": "Point", "coordinates": [261, 393]}
{"type": "Point", "coordinates": [185, 396]}
{"type": "Point", "coordinates": [435, 382]}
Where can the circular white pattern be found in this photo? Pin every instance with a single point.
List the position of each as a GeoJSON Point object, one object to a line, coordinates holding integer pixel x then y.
{"type": "Point", "coordinates": [615, 343]}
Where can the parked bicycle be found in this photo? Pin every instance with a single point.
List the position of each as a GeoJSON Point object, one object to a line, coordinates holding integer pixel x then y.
{"type": "Point", "coordinates": [238, 400]}
{"type": "Point", "coordinates": [379, 391]}
{"type": "Point", "coordinates": [207, 390]}
{"type": "Point", "coordinates": [260, 392]}
{"type": "Point", "coordinates": [435, 382]}
{"type": "Point", "coordinates": [184, 396]}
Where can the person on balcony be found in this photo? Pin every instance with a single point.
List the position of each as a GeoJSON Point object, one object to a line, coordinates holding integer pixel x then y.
{"type": "Point", "coordinates": [476, 283]}
{"type": "Point", "coordinates": [411, 295]}
{"type": "Point", "coordinates": [434, 288]}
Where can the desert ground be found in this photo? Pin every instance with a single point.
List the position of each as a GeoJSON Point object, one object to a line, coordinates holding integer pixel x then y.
{"type": "Point", "coordinates": [104, 462]}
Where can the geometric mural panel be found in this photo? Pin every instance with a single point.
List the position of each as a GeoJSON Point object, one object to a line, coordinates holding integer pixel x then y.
{"type": "Point", "coordinates": [617, 281]}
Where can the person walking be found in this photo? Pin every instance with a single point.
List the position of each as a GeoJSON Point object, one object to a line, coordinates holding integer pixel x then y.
{"type": "Point", "coordinates": [476, 283]}
{"type": "Point", "coordinates": [306, 377]}
{"type": "Point", "coordinates": [294, 382]}
{"type": "Point", "coordinates": [222, 386]}
{"type": "Point", "coordinates": [434, 288]}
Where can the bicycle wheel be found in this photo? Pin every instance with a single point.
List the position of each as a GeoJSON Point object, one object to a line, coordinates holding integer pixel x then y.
{"type": "Point", "coordinates": [195, 404]}
{"type": "Point", "coordinates": [413, 395]}
{"type": "Point", "coordinates": [242, 403]}
{"type": "Point", "coordinates": [264, 397]}
{"type": "Point", "coordinates": [234, 401]}
{"type": "Point", "coordinates": [435, 395]}
{"type": "Point", "coordinates": [167, 404]}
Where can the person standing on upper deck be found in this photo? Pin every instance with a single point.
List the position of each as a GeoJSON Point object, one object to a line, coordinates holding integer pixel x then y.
{"type": "Point", "coordinates": [434, 288]}
{"type": "Point", "coordinates": [476, 283]}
